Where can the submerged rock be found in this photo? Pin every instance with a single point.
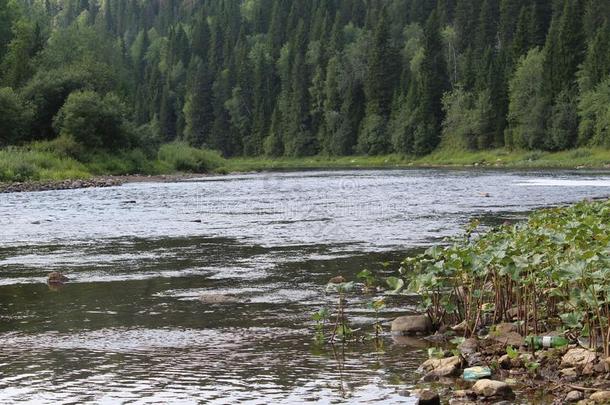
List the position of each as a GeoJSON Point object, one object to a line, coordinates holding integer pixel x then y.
{"type": "Point", "coordinates": [218, 299]}
{"type": "Point", "coordinates": [492, 388]}
{"type": "Point", "coordinates": [578, 357]}
{"type": "Point", "coordinates": [56, 278]}
{"type": "Point", "coordinates": [411, 325]}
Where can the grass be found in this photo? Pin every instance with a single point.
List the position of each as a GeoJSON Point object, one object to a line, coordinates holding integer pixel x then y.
{"type": "Point", "coordinates": [582, 157]}
{"type": "Point", "coordinates": [62, 159]}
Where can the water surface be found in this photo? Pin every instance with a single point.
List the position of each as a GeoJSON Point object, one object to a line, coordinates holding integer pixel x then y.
{"type": "Point", "coordinates": [130, 327]}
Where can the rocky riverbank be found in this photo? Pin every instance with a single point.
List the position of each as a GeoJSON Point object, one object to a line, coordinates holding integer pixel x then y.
{"type": "Point", "coordinates": [30, 186]}
{"type": "Point", "coordinates": [103, 181]}
{"type": "Point", "coordinates": [506, 369]}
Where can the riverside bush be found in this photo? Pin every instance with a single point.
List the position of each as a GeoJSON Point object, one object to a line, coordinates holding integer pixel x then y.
{"type": "Point", "coordinates": [554, 269]}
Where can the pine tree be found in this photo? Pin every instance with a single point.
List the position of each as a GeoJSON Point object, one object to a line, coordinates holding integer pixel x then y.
{"type": "Point", "coordinates": [434, 83]}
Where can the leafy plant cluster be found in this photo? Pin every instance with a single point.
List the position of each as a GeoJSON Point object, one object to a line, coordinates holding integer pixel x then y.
{"type": "Point", "coordinates": [552, 270]}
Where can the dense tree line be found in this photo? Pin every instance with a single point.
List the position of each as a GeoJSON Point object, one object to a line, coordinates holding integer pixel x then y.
{"type": "Point", "coordinates": [296, 78]}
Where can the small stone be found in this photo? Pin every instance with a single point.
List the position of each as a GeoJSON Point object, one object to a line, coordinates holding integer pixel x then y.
{"type": "Point", "coordinates": [460, 327]}
{"type": "Point", "coordinates": [411, 325]}
{"type": "Point", "coordinates": [217, 299]}
{"type": "Point", "coordinates": [568, 372]}
{"type": "Point", "coordinates": [600, 397]}
{"type": "Point", "coordinates": [426, 397]}
{"type": "Point", "coordinates": [574, 396]}
{"type": "Point", "coordinates": [464, 394]}
{"type": "Point", "coordinates": [436, 368]}
{"type": "Point", "coordinates": [468, 346]}
{"type": "Point", "coordinates": [492, 388]}
{"type": "Point", "coordinates": [578, 357]}
{"type": "Point", "coordinates": [507, 338]}
{"type": "Point", "coordinates": [504, 328]}
{"type": "Point", "coordinates": [337, 280]}
{"type": "Point", "coordinates": [56, 277]}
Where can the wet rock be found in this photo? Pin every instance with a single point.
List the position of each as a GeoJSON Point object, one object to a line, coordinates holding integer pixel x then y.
{"type": "Point", "coordinates": [436, 368]}
{"type": "Point", "coordinates": [600, 397]}
{"type": "Point", "coordinates": [337, 280]}
{"type": "Point", "coordinates": [426, 397]}
{"type": "Point", "coordinates": [218, 299]}
{"type": "Point", "coordinates": [492, 388]}
{"type": "Point", "coordinates": [410, 341]}
{"type": "Point", "coordinates": [411, 325]}
{"type": "Point", "coordinates": [574, 396]}
{"type": "Point", "coordinates": [56, 278]}
{"type": "Point", "coordinates": [578, 357]}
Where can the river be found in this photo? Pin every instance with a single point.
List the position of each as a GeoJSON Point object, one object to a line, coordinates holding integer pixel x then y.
{"type": "Point", "coordinates": [129, 327]}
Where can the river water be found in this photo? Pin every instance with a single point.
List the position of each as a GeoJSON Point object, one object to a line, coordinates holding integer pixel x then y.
{"type": "Point", "coordinates": [130, 326]}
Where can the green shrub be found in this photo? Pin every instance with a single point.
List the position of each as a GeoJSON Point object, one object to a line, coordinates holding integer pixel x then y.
{"type": "Point", "coordinates": [182, 157]}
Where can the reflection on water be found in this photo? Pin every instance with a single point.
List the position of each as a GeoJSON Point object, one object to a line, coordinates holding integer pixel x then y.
{"type": "Point", "coordinates": [130, 327]}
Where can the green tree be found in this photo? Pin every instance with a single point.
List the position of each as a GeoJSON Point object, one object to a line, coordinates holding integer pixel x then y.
{"type": "Point", "coordinates": [15, 117]}
{"type": "Point", "coordinates": [528, 103]}
{"type": "Point", "coordinates": [95, 121]}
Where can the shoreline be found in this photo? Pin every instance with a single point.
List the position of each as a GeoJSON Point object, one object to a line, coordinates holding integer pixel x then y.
{"type": "Point", "coordinates": [103, 181]}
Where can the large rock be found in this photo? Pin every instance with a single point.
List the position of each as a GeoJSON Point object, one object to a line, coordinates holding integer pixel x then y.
{"type": "Point", "coordinates": [578, 357]}
{"type": "Point", "coordinates": [600, 397]}
{"type": "Point", "coordinates": [426, 397]}
{"type": "Point", "coordinates": [492, 388]}
{"type": "Point", "coordinates": [437, 368]}
{"type": "Point", "coordinates": [411, 325]}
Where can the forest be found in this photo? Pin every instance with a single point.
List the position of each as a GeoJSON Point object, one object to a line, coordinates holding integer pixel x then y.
{"type": "Point", "coordinates": [287, 78]}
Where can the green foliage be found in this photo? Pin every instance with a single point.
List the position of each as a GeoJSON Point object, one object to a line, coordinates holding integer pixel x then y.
{"type": "Point", "coordinates": [95, 121]}
{"type": "Point", "coordinates": [528, 103]}
{"type": "Point", "coordinates": [554, 266]}
{"type": "Point", "coordinates": [15, 117]}
{"type": "Point", "coordinates": [594, 110]}
{"type": "Point", "coordinates": [292, 79]}
{"type": "Point", "coordinates": [181, 157]}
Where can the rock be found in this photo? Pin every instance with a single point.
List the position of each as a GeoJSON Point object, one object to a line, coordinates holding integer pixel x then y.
{"type": "Point", "coordinates": [507, 338]}
{"type": "Point", "coordinates": [505, 327]}
{"type": "Point", "coordinates": [464, 394]}
{"type": "Point", "coordinates": [218, 299]}
{"type": "Point", "coordinates": [56, 278]}
{"type": "Point", "coordinates": [492, 388]}
{"type": "Point", "coordinates": [426, 397]}
{"type": "Point", "coordinates": [574, 396]}
{"type": "Point", "coordinates": [410, 341]}
{"type": "Point", "coordinates": [337, 280]}
{"type": "Point", "coordinates": [600, 397]}
{"type": "Point", "coordinates": [411, 325]}
{"type": "Point", "coordinates": [460, 327]}
{"type": "Point", "coordinates": [568, 372]}
{"type": "Point", "coordinates": [436, 368]}
{"type": "Point", "coordinates": [600, 367]}
{"type": "Point", "coordinates": [578, 357]}
{"type": "Point", "coordinates": [469, 346]}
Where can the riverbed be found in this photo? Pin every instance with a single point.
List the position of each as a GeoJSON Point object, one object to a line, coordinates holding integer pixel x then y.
{"type": "Point", "coordinates": [130, 325]}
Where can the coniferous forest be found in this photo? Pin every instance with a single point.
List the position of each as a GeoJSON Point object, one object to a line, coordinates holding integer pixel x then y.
{"type": "Point", "coordinates": [300, 78]}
